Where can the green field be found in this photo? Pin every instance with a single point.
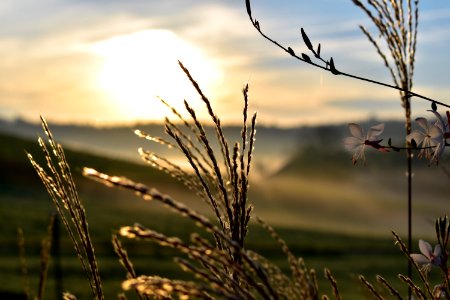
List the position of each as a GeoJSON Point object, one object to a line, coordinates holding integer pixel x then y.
{"type": "Point", "coordinates": [333, 217]}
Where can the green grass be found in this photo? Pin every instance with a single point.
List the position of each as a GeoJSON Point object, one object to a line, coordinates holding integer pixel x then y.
{"type": "Point", "coordinates": [346, 256]}
{"type": "Point", "coordinates": [324, 221]}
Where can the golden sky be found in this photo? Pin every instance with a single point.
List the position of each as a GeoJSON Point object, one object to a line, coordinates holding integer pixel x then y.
{"type": "Point", "coordinates": [103, 62]}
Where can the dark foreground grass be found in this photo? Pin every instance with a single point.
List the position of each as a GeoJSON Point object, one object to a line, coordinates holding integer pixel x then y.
{"type": "Point", "coordinates": [24, 203]}
{"type": "Point", "coordinates": [346, 256]}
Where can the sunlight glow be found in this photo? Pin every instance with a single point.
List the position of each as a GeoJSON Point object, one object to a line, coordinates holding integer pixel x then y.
{"type": "Point", "coordinates": [140, 66]}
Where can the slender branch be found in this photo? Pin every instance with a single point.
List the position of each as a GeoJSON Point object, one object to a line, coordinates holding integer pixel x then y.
{"type": "Point", "coordinates": [289, 50]}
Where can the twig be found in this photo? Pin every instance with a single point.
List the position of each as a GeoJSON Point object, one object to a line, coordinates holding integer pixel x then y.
{"type": "Point", "coordinates": [288, 50]}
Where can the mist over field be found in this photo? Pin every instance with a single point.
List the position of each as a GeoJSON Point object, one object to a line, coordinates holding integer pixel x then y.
{"type": "Point", "coordinates": [275, 146]}
{"type": "Point", "coordinates": [300, 174]}
{"type": "Point", "coordinates": [303, 183]}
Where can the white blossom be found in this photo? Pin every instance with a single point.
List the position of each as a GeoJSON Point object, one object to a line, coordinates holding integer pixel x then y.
{"type": "Point", "coordinates": [431, 138]}
{"type": "Point", "coordinates": [429, 257]}
{"type": "Point", "coordinates": [358, 141]}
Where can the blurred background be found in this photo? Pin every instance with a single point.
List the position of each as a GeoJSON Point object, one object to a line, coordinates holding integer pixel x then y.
{"type": "Point", "coordinates": [95, 70]}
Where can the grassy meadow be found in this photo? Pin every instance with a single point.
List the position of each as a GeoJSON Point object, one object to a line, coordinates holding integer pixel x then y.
{"type": "Point", "coordinates": [330, 213]}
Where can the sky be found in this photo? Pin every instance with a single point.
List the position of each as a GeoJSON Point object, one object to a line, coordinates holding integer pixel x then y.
{"type": "Point", "coordinates": [105, 62]}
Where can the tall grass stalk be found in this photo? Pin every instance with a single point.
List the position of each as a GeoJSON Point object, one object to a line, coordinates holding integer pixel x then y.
{"type": "Point", "coordinates": [222, 182]}
{"type": "Point", "coordinates": [224, 268]}
{"type": "Point", "coordinates": [216, 255]}
{"type": "Point", "coordinates": [397, 24]}
{"type": "Point", "coordinates": [45, 253]}
{"type": "Point", "coordinates": [46, 245]}
{"type": "Point", "coordinates": [59, 183]}
{"type": "Point", "coordinates": [23, 263]}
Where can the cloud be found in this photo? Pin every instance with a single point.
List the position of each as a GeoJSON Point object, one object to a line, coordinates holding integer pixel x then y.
{"type": "Point", "coordinates": [365, 104]}
{"type": "Point", "coordinates": [43, 55]}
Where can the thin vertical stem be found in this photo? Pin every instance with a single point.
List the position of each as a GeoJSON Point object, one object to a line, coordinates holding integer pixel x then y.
{"type": "Point", "coordinates": [409, 160]}
{"type": "Point", "coordinates": [407, 105]}
{"type": "Point", "coordinates": [56, 258]}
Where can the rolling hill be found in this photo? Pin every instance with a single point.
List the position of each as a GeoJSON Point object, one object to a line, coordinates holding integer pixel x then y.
{"type": "Point", "coordinates": [319, 202]}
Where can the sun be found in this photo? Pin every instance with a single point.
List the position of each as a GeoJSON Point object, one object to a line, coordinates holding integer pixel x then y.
{"type": "Point", "coordinates": [139, 67]}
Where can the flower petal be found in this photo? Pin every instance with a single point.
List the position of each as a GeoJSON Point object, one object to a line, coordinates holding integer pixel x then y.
{"type": "Point", "coordinates": [423, 123]}
{"type": "Point", "coordinates": [359, 154]}
{"type": "Point", "coordinates": [425, 248]}
{"type": "Point", "coordinates": [436, 133]}
{"type": "Point", "coordinates": [352, 143]}
{"type": "Point", "coordinates": [437, 250]}
{"type": "Point", "coordinates": [375, 132]}
{"type": "Point", "coordinates": [356, 130]}
{"type": "Point", "coordinates": [437, 255]}
{"type": "Point", "coordinates": [420, 259]}
{"type": "Point", "coordinates": [440, 121]}
{"type": "Point", "coordinates": [438, 152]}
{"type": "Point", "coordinates": [417, 136]}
